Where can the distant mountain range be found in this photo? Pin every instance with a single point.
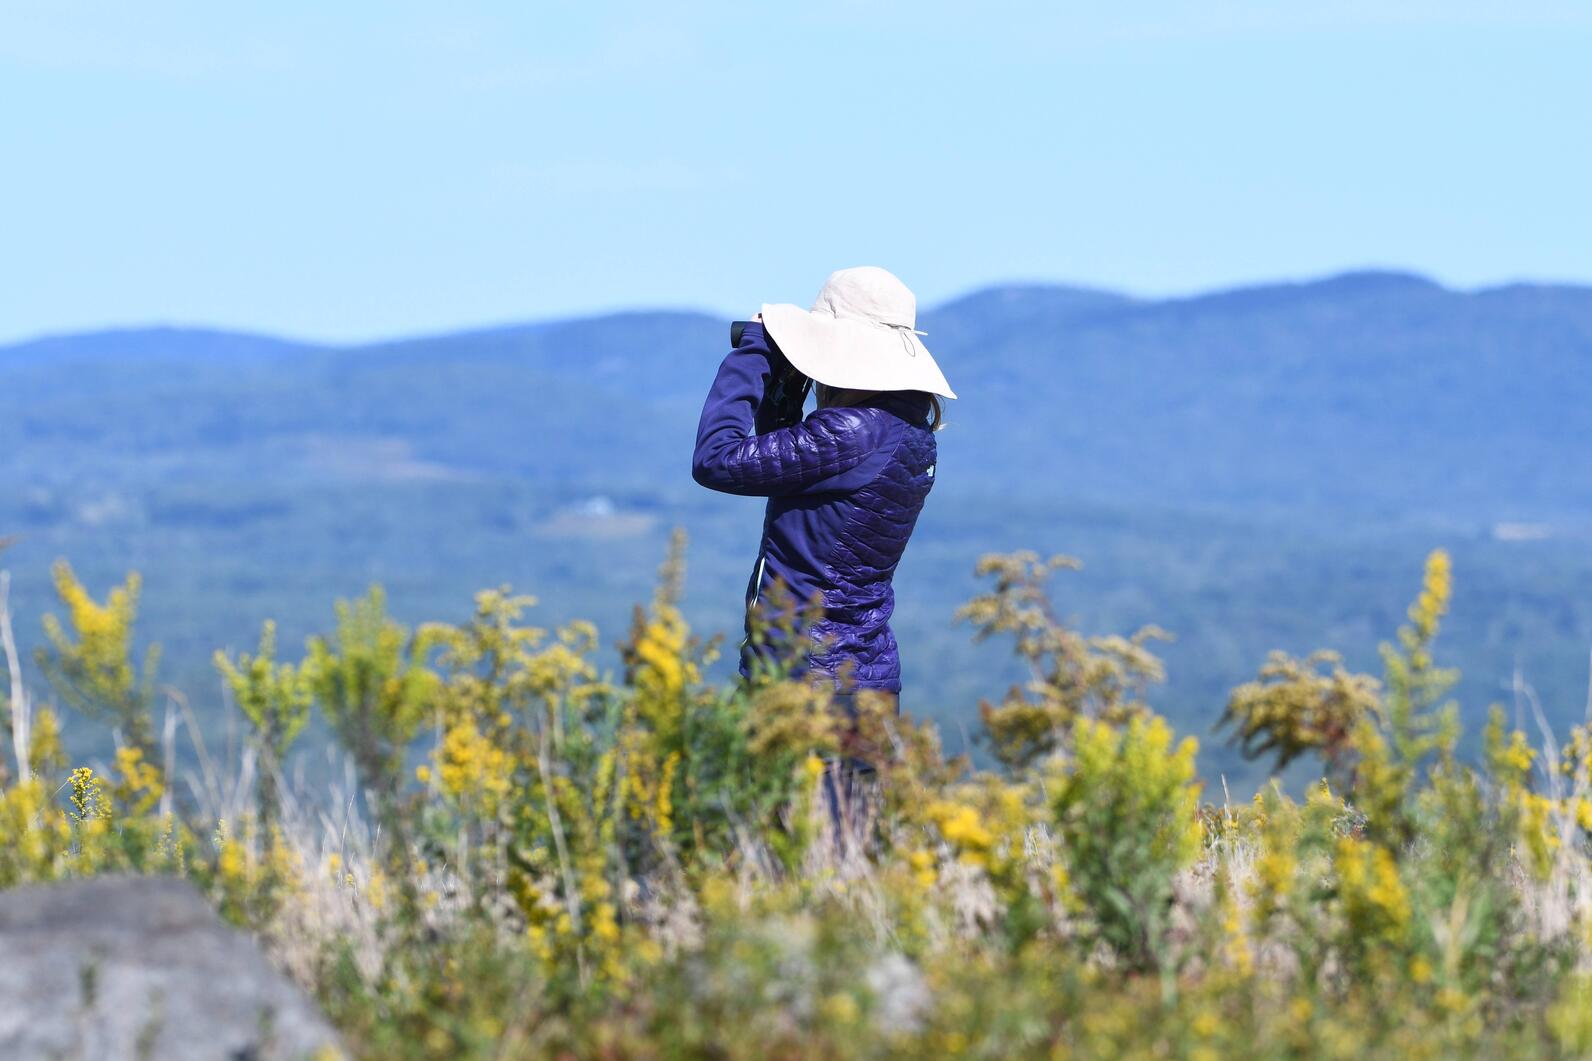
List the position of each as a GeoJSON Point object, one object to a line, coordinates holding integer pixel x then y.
{"type": "Point", "coordinates": [1256, 468]}
{"type": "Point", "coordinates": [1377, 393]}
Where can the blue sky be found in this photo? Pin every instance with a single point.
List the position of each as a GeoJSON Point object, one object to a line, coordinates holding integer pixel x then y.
{"type": "Point", "coordinates": [354, 170]}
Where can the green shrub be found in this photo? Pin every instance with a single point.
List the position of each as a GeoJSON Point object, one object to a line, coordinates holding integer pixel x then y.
{"type": "Point", "coordinates": [542, 859]}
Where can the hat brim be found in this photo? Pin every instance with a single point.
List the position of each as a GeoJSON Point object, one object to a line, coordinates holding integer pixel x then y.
{"type": "Point", "coordinates": [854, 354]}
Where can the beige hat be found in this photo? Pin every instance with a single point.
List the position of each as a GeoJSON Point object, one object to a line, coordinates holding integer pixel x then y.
{"type": "Point", "coordinates": [860, 335]}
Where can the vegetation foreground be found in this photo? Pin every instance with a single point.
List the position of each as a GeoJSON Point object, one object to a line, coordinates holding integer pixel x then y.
{"type": "Point", "coordinates": [530, 857]}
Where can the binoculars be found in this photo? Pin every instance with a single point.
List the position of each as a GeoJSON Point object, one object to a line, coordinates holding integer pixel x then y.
{"type": "Point", "coordinates": [787, 390]}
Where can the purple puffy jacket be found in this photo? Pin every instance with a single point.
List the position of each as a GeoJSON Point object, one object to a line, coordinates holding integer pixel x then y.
{"type": "Point", "coordinates": [844, 489]}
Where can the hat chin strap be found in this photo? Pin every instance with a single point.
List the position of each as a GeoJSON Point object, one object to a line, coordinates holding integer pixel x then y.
{"type": "Point", "coordinates": [906, 331]}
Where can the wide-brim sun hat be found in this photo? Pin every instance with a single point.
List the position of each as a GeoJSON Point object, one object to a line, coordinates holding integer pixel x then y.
{"type": "Point", "coordinates": [861, 334]}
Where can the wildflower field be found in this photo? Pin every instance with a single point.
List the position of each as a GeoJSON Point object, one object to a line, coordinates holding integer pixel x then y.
{"type": "Point", "coordinates": [527, 856]}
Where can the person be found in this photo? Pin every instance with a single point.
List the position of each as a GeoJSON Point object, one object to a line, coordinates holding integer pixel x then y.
{"type": "Point", "coordinates": [845, 483]}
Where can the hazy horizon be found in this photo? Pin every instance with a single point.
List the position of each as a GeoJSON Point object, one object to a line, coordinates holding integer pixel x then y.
{"type": "Point", "coordinates": [378, 338]}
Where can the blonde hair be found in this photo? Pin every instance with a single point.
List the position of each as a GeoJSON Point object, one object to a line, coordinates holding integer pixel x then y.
{"type": "Point", "coordinates": [842, 398]}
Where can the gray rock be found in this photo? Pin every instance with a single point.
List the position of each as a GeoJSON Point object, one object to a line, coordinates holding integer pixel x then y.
{"type": "Point", "coordinates": [141, 967]}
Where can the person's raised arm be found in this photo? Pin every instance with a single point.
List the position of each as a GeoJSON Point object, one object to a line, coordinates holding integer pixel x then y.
{"type": "Point", "coordinates": [814, 455]}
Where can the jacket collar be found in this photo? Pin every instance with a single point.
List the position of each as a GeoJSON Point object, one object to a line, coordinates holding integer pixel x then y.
{"type": "Point", "coordinates": [911, 406]}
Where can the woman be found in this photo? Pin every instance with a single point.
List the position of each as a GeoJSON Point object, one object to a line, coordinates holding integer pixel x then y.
{"type": "Point", "coordinates": [846, 483]}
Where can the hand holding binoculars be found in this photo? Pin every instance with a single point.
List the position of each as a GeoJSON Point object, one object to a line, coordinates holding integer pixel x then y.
{"type": "Point", "coordinates": [787, 388]}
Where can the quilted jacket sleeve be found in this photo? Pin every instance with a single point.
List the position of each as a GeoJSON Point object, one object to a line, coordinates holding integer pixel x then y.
{"type": "Point", "coordinates": [825, 452]}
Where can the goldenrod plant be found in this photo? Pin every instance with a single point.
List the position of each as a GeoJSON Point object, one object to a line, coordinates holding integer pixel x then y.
{"type": "Point", "coordinates": [372, 683]}
{"type": "Point", "coordinates": [1125, 803]}
{"type": "Point", "coordinates": [89, 659]}
{"type": "Point", "coordinates": [275, 698]}
{"type": "Point", "coordinates": [533, 855]}
{"type": "Point", "coordinates": [1070, 675]}
{"type": "Point", "coordinates": [1302, 706]}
